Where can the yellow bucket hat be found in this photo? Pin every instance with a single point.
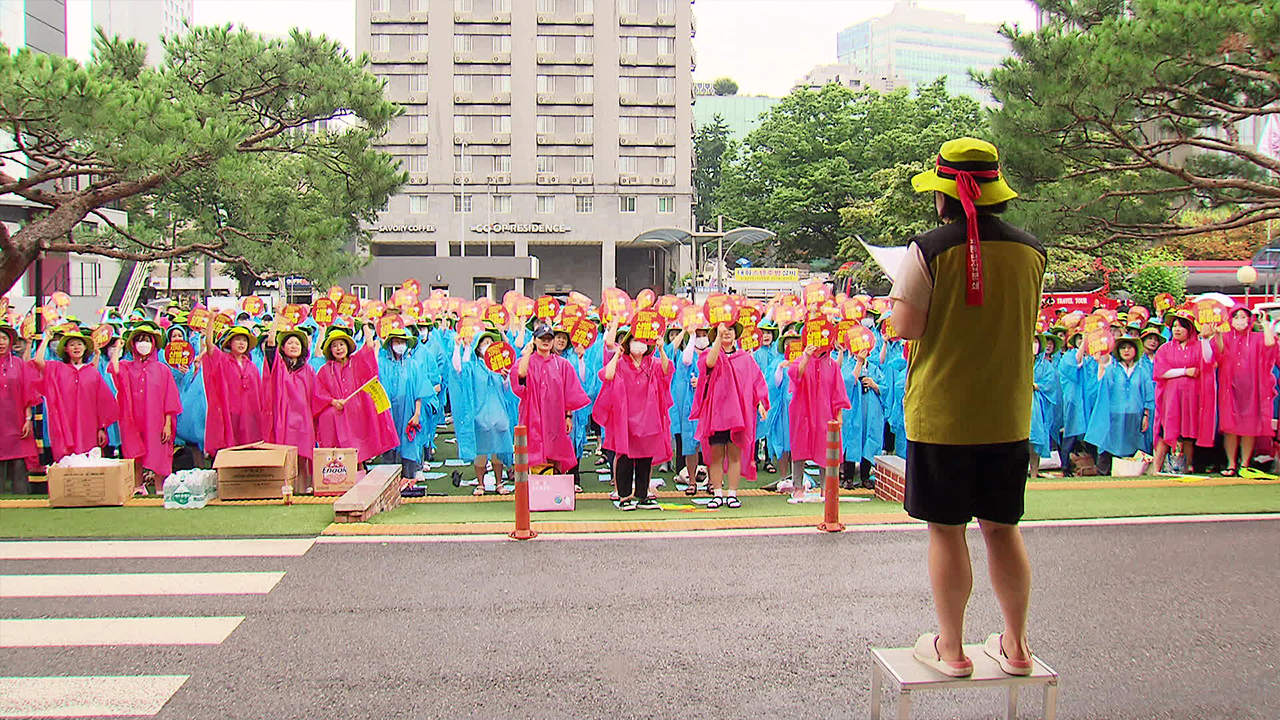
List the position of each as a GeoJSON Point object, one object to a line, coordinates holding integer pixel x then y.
{"type": "Point", "coordinates": [968, 170]}
{"type": "Point", "coordinates": [969, 155]}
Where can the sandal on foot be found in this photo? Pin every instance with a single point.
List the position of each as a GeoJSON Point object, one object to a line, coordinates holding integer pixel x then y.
{"type": "Point", "coordinates": [691, 490]}
{"type": "Point", "coordinates": [994, 648]}
{"type": "Point", "coordinates": [715, 503]}
{"type": "Point", "coordinates": [478, 491]}
{"type": "Point", "coordinates": [732, 502]}
{"type": "Point", "coordinates": [1230, 472]}
{"type": "Point", "coordinates": [770, 468]}
{"type": "Point", "coordinates": [926, 652]}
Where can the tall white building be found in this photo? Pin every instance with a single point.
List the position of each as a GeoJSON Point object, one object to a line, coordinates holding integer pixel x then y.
{"type": "Point", "coordinates": [146, 21]}
{"type": "Point", "coordinates": [541, 138]}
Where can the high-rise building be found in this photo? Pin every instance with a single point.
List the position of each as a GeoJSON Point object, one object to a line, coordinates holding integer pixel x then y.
{"type": "Point", "coordinates": [741, 113]}
{"type": "Point", "coordinates": [146, 22]}
{"type": "Point", "coordinates": [541, 138]}
{"type": "Point", "coordinates": [847, 75]}
{"type": "Point", "coordinates": [919, 45]}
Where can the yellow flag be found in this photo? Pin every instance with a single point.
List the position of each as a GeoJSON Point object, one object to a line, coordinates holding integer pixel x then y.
{"type": "Point", "coordinates": [374, 389]}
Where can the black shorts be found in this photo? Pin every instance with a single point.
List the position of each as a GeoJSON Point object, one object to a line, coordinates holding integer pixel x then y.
{"type": "Point", "coordinates": [952, 484]}
{"type": "Point", "coordinates": [719, 438]}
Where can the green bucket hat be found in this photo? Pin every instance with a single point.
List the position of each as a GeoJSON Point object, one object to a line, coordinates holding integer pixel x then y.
{"type": "Point", "coordinates": [144, 328]}
{"type": "Point", "coordinates": [234, 331]}
{"type": "Point", "coordinates": [75, 335]}
{"type": "Point", "coordinates": [400, 334]}
{"type": "Point", "coordinates": [337, 333]}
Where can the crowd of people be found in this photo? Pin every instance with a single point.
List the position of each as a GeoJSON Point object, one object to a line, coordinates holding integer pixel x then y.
{"type": "Point", "coordinates": [712, 402]}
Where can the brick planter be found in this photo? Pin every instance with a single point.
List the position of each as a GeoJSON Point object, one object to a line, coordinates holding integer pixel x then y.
{"type": "Point", "coordinates": [891, 478]}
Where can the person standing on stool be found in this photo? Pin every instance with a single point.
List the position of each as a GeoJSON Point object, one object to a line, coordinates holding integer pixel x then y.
{"type": "Point", "coordinates": [967, 296]}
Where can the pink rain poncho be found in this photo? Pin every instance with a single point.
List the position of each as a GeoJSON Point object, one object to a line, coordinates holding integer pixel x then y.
{"type": "Point", "coordinates": [1181, 410]}
{"type": "Point", "coordinates": [549, 393]}
{"type": "Point", "coordinates": [19, 390]}
{"type": "Point", "coordinates": [358, 424]}
{"type": "Point", "coordinates": [147, 396]}
{"type": "Point", "coordinates": [726, 400]}
{"type": "Point", "coordinates": [287, 397]}
{"type": "Point", "coordinates": [817, 397]}
{"type": "Point", "coordinates": [633, 408]}
{"type": "Point", "coordinates": [1246, 387]}
{"type": "Point", "coordinates": [80, 404]}
{"type": "Point", "coordinates": [233, 389]}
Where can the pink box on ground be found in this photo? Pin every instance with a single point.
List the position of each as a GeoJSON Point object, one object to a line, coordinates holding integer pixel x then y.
{"type": "Point", "coordinates": [551, 492]}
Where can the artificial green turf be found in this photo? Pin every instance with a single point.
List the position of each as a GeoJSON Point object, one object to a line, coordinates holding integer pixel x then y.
{"type": "Point", "coordinates": [212, 521]}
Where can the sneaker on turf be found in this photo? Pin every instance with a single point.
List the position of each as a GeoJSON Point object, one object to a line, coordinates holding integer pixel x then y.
{"type": "Point", "coordinates": [626, 505]}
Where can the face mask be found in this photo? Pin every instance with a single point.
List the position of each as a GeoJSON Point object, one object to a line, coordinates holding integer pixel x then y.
{"type": "Point", "coordinates": [142, 348]}
{"type": "Point", "coordinates": [868, 323]}
{"type": "Point", "coordinates": [702, 343]}
{"type": "Point", "coordinates": [638, 348]}
{"type": "Point", "coordinates": [485, 346]}
{"type": "Point", "coordinates": [398, 348]}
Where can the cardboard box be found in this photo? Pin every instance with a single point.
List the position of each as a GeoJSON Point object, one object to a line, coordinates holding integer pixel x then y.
{"type": "Point", "coordinates": [334, 470]}
{"type": "Point", "coordinates": [255, 471]}
{"type": "Point", "coordinates": [551, 492]}
{"type": "Point", "coordinates": [92, 486]}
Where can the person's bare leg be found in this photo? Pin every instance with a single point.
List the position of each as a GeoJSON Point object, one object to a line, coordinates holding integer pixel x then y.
{"type": "Point", "coordinates": [735, 466]}
{"type": "Point", "coordinates": [1231, 444]}
{"type": "Point", "coordinates": [715, 467]}
{"type": "Point", "coordinates": [951, 577]}
{"type": "Point", "coordinates": [497, 476]}
{"type": "Point", "coordinates": [1189, 450]}
{"type": "Point", "coordinates": [1010, 571]}
{"type": "Point", "coordinates": [479, 464]}
{"type": "Point", "coordinates": [1033, 468]}
{"type": "Point", "coordinates": [1246, 450]}
{"type": "Point", "coordinates": [691, 465]}
{"type": "Point", "coordinates": [1157, 457]}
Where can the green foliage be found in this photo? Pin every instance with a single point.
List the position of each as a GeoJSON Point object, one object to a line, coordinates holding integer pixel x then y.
{"type": "Point", "coordinates": [1119, 110]}
{"type": "Point", "coordinates": [711, 144]}
{"type": "Point", "coordinates": [725, 86]}
{"type": "Point", "coordinates": [207, 151]}
{"type": "Point", "coordinates": [1160, 272]}
{"type": "Point", "coordinates": [819, 151]}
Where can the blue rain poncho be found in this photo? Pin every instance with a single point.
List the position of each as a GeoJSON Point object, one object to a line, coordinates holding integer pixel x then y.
{"type": "Point", "coordinates": [407, 384]}
{"type": "Point", "coordinates": [893, 394]}
{"type": "Point", "coordinates": [685, 369]}
{"type": "Point", "coordinates": [1044, 406]}
{"type": "Point", "coordinates": [1115, 425]}
{"type": "Point", "coordinates": [776, 429]}
{"type": "Point", "coordinates": [484, 408]}
{"type": "Point", "coordinates": [862, 425]}
{"type": "Point", "coordinates": [1071, 380]}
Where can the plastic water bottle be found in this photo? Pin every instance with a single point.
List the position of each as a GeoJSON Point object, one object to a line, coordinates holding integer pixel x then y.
{"type": "Point", "coordinates": [199, 494]}
{"type": "Point", "coordinates": [170, 486]}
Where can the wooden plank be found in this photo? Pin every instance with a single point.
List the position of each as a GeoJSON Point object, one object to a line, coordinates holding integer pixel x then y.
{"type": "Point", "coordinates": [378, 491]}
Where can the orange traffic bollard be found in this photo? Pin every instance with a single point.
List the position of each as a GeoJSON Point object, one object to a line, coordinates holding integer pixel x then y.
{"type": "Point", "coordinates": [830, 481]}
{"type": "Point", "coordinates": [523, 530]}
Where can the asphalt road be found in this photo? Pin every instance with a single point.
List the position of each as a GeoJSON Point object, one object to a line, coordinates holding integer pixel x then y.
{"type": "Point", "coordinates": [1158, 621]}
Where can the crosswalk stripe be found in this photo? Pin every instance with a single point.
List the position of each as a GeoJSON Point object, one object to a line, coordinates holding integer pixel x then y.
{"type": "Point", "coordinates": [75, 632]}
{"type": "Point", "coordinates": [210, 583]}
{"type": "Point", "coordinates": [78, 549]}
{"type": "Point", "coordinates": [111, 696]}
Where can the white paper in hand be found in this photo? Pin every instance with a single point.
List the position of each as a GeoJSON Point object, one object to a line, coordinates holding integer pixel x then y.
{"type": "Point", "coordinates": [889, 259]}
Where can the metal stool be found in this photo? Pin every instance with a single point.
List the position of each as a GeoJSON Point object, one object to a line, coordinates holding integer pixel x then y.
{"type": "Point", "coordinates": [911, 675]}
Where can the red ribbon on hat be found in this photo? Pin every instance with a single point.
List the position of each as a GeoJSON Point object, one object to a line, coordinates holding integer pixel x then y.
{"type": "Point", "coordinates": [968, 191]}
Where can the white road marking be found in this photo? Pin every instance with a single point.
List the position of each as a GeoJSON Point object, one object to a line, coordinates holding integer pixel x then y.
{"type": "Point", "coordinates": [77, 549]}
{"type": "Point", "coordinates": [73, 632]}
{"type": "Point", "coordinates": [113, 696]}
{"type": "Point", "coordinates": [211, 583]}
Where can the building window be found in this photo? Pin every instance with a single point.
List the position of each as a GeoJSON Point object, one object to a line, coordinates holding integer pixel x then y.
{"type": "Point", "coordinates": [418, 164]}
{"type": "Point", "coordinates": [502, 163]}
{"type": "Point", "coordinates": [627, 203]}
{"type": "Point", "coordinates": [504, 83]}
{"type": "Point", "coordinates": [380, 43]}
{"type": "Point", "coordinates": [629, 7]}
{"type": "Point", "coordinates": [546, 44]}
{"type": "Point", "coordinates": [418, 83]}
{"type": "Point", "coordinates": [630, 45]}
{"type": "Point", "coordinates": [462, 43]}
{"type": "Point", "coordinates": [462, 83]}
{"type": "Point", "coordinates": [502, 6]}
{"type": "Point", "coordinates": [464, 163]}
{"type": "Point", "coordinates": [388, 291]}
{"type": "Point", "coordinates": [584, 84]}
{"type": "Point", "coordinates": [360, 291]}
{"type": "Point", "coordinates": [584, 44]}
{"type": "Point", "coordinates": [546, 83]}
{"type": "Point", "coordinates": [666, 46]}
{"type": "Point", "coordinates": [584, 204]}
{"type": "Point", "coordinates": [666, 205]}
{"type": "Point", "coordinates": [666, 126]}
{"type": "Point", "coordinates": [666, 86]}
{"type": "Point", "coordinates": [584, 164]}
{"type": "Point", "coordinates": [546, 164]}
{"type": "Point", "coordinates": [419, 6]}
{"type": "Point", "coordinates": [502, 124]}
{"type": "Point", "coordinates": [462, 5]}
{"type": "Point", "coordinates": [462, 203]}
{"type": "Point", "coordinates": [418, 43]}
{"type": "Point", "coordinates": [546, 204]}
{"type": "Point", "coordinates": [627, 165]}
{"type": "Point", "coordinates": [502, 43]}
{"type": "Point", "coordinates": [582, 7]}
{"type": "Point", "coordinates": [628, 125]}
{"type": "Point", "coordinates": [378, 6]}
{"type": "Point", "coordinates": [417, 124]}
{"type": "Point", "coordinates": [462, 124]}
{"type": "Point", "coordinates": [502, 203]}
{"type": "Point", "coordinates": [666, 7]}
{"type": "Point", "coordinates": [584, 124]}
{"type": "Point", "coordinates": [546, 124]}
{"type": "Point", "coordinates": [546, 6]}
{"type": "Point", "coordinates": [666, 166]}
{"type": "Point", "coordinates": [628, 85]}
{"type": "Point", "coordinates": [418, 205]}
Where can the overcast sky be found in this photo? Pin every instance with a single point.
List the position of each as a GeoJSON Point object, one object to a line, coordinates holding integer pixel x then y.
{"type": "Point", "coordinates": [766, 45]}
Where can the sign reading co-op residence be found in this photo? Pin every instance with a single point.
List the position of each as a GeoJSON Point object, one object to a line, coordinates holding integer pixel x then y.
{"type": "Point", "coordinates": [771, 275]}
{"type": "Point", "coordinates": [519, 228]}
